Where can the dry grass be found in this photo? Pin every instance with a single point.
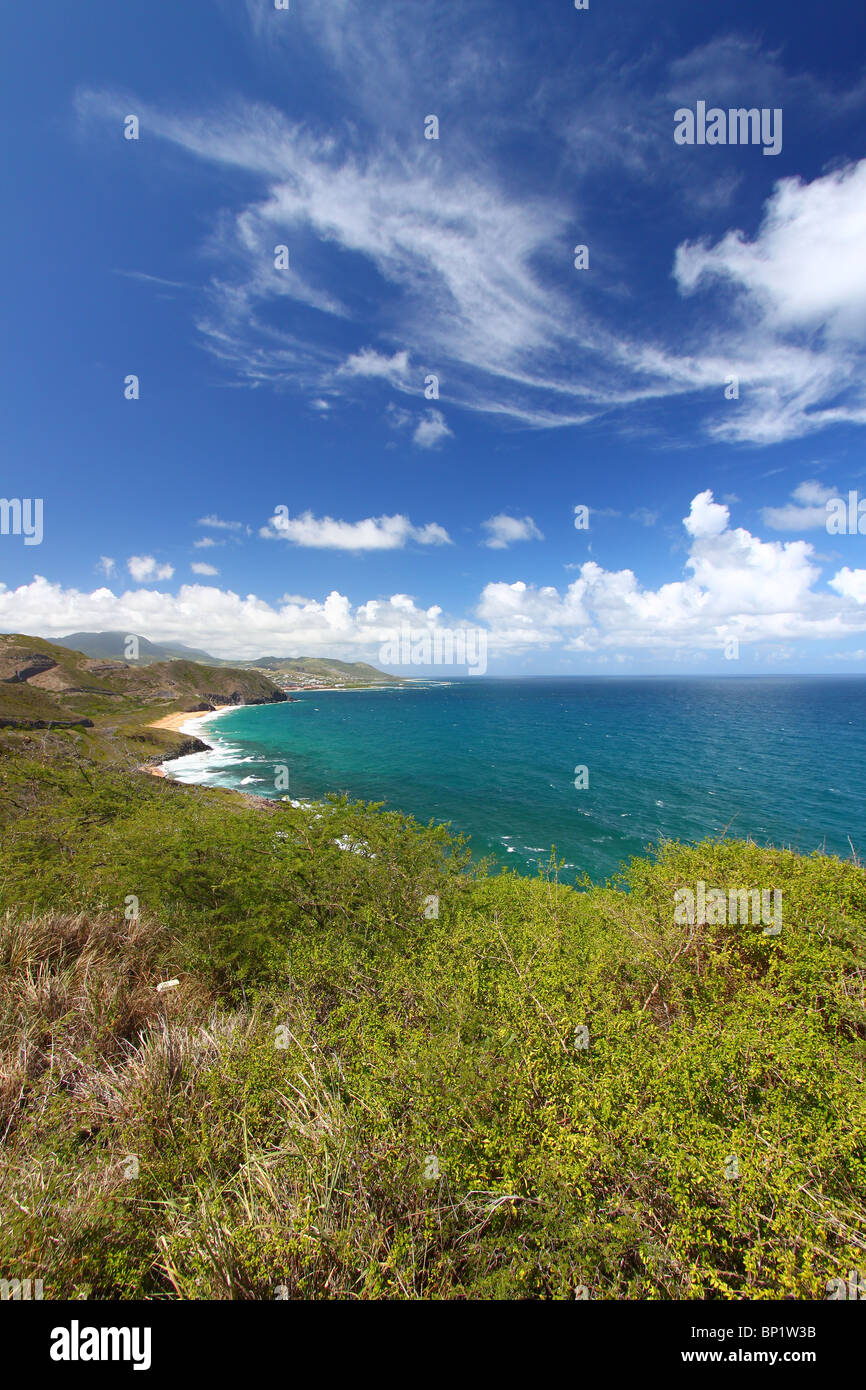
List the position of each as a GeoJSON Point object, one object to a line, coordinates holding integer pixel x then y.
{"type": "Point", "coordinates": [78, 992]}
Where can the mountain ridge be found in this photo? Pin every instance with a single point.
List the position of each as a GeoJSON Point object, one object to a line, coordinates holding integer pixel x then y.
{"type": "Point", "coordinates": [114, 645]}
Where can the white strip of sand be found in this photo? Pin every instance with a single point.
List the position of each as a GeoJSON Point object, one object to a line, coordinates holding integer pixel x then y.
{"type": "Point", "coordinates": [178, 722]}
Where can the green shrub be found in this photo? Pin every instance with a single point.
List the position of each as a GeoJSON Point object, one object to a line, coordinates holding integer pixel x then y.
{"type": "Point", "coordinates": [348, 1098]}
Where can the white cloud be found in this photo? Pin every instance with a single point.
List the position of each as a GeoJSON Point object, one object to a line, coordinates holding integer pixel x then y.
{"type": "Point", "coordinates": [737, 585]}
{"type": "Point", "coordinates": [806, 268]}
{"type": "Point", "coordinates": [369, 363]}
{"type": "Point", "coordinates": [461, 267]}
{"type": "Point", "coordinates": [850, 584]}
{"type": "Point", "coordinates": [373, 533]}
{"type": "Point", "coordinates": [106, 565]}
{"type": "Point", "coordinates": [504, 530]}
{"type": "Point", "coordinates": [522, 616]}
{"type": "Point", "coordinates": [431, 430]}
{"type": "Point", "coordinates": [799, 309]}
{"type": "Point", "coordinates": [198, 568]}
{"type": "Point", "coordinates": [146, 570]}
{"type": "Point", "coordinates": [458, 255]}
{"type": "Point", "coordinates": [216, 524]}
{"type": "Point", "coordinates": [219, 620]}
{"type": "Point", "coordinates": [807, 512]}
{"type": "Point", "coordinates": [734, 585]}
{"type": "Point", "coordinates": [706, 517]}
{"type": "Point", "coordinates": [397, 417]}
{"type": "Point", "coordinates": [206, 543]}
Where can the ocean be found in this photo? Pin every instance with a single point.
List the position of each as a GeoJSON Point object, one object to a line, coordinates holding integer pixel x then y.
{"type": "Point", "coordinates": [599, 768]}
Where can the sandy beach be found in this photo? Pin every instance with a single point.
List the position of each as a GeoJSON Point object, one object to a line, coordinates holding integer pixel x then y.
{"type": "Point", "coordinates": [178, 721]}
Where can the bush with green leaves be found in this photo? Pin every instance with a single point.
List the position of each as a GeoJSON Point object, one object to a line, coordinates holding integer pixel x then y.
{"type": "Point", "coordinates": [542, 1088]}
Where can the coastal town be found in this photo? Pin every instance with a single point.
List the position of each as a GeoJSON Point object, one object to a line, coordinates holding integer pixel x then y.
{"type": "Point", "coordinates": [302, 680]}
{"type": "Point", "coordinates": [320, 673]}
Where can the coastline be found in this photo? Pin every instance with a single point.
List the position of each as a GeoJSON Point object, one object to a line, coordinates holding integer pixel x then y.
{"type": "Point", "coordinates": [185, 722]}
{"type": "Point", "coordinates": [189, 722]}
{"type": "Point", "coordinates": [178, 722]}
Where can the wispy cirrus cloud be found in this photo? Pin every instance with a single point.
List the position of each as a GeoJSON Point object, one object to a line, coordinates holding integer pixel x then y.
{"type": "Point", "coordinates": [216, 523]}
{"type": "Point", "coordinates": [466, 271]}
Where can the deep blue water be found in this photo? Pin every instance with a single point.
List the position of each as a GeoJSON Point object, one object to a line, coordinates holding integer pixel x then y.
{"type": "Point", "coordinates": [782, 760]}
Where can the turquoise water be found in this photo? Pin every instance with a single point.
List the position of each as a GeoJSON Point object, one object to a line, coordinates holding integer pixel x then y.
{"type": "Point", "coordinates": [782, 760]}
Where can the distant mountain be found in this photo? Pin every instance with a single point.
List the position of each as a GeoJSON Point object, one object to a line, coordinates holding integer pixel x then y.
{"type": "Point", "coordinates": [113, 646]}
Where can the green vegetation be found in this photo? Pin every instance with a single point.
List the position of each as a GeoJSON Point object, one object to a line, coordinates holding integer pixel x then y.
{"type": "Point", "coordinates": [324, 670]}
{"type": "Point", "coordinates": [349, 1098]}
{"type": "Point", "coordinates": [42, 683]}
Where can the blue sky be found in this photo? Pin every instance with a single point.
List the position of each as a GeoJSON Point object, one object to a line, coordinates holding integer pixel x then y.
{"type": "Point", "coordinates": [303, 388]}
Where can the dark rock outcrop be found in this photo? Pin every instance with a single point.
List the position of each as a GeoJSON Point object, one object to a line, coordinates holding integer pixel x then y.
{"type": "Point", "coordinates": [237, 697]}
{"type": "Point", "coordinates": [32, 665]}
{"type": "Point", "coordinates": [178, 750]}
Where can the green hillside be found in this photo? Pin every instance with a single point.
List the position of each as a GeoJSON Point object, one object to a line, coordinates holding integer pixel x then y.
{"type": "Point", "coordinates": [379, 1071]}
{"type": "Point", "coordinates": [41, 682]}
{"type": "Point", "coordinates": [328, 670]}
{"type": "Point", "coordinates": [111, 646]}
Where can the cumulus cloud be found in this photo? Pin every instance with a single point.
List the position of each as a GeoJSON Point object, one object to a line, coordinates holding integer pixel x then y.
{"type": "Point", "coordinates": [373, 533]}
{"type": "Point", "coordinates": [198, 567]}
{"type": "Point", "coordinates": [733, 585]}
{"type": "Point", "coordinates": [806, 512]}
{"type": "Point", "coordinates": [805, 269]}
{"type": "Point", "coordinates": [706, 517]}
{"type": "Point", "coordinates": [106, 565]}
{"type": "Point", "coordinates": [146, 570]}
{"type": "Point", "coordinates": [799, 300]}
{"type": "Point", "coordinates": [736, 585]}
{"type": "Point", "coordinates": [225, 623]}
{"type": "Point", "coordinates": [850, 584]}
{"type": "Point", "coordinates": [505, 530]}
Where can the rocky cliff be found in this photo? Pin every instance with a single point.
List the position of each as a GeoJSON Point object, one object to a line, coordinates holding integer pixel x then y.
{"type": "Point", "coordinates": [42, 683]}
